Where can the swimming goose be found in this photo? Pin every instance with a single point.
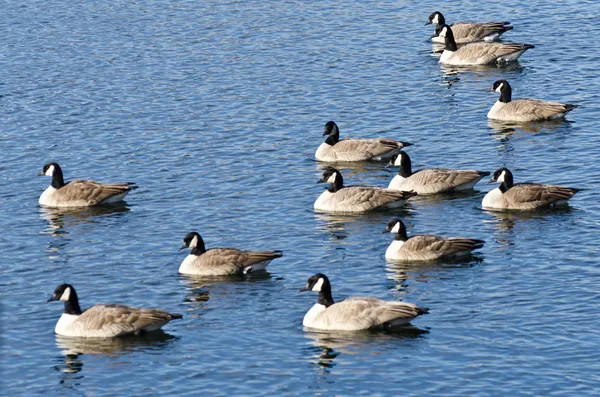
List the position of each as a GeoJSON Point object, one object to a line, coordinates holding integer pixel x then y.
{"type": "Point", "coordinates": [467, 32]}
{"type": "Point", "coordinates": [105, 321]}
{"type": "Point", "coordinates": [356, 313]}
{"type": "Point", "coordinates": [524, 109]}
{"type": "Point", "coordinates": [80, 193]}
{"type": "Point", "coordinates": [431, 180]}
{"type": "Point", "coordinates": [524, 196]}
{"type": "Point", "coordinates": [479, 53]}
{"type": "Point", "coordinates": [347, 150]}
{"type": "Point", "coordinates": [425, 247]}
{"type": "Point", "coordinates": [356, 199]}
{"type": "Point", "coordinates": [222, 261]}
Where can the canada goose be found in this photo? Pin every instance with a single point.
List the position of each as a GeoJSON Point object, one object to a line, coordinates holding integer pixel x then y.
{"type": "Point", "coordinates": [524, 196]}
{"type": "Point", "coordinates": [222, 261]}
{"type": "Point", "coordinates": [356, 313]}
{"type": "Point", "coordinates": [524, 109]}
{"type": "Point", "coordinates": [431, 180]}
{"type": "Point", "coordinates": [347, 150]}
{"type": "Point", "coordinates": [105, 321]}
{"type": "Point", "coordinates": [467, 32]}
{"type": "Point", "coordinates": [425, 247]}
{"type": "Point", "coordinates": [478, 53]}
{"type": "Point", "coordinates": [356, 199]}
{"type": "Point", "coordinates": [80, 193]}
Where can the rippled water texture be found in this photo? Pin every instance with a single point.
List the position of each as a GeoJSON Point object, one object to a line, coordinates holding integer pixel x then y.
{"type": "Point", "coordinates": [215, 109]}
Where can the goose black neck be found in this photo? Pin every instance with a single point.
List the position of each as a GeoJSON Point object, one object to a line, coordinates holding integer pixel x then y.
{"type": "Point", "coordinates": [405, 167]}
{"type": "Point", "coordinates": [333, 138]}
{"type": "Point", "coordinates": [57, 178]}
{"type": "Point", "coordinates": [505, 93]}
{"type": "Point", "coordinates": [338, 184]}
{"type": "Point", "coordinates": [401, 235]}
{"type": "Point", "coordinates": [450, 42]}
{"type": "Point", "coordinates": [508, 182]}
{"type": "Point", "coordinates": [325, 297]}
{"type": "Point", "coordinates": [199, 249]}
{"type": "Point", "coordinates": [72, 305]}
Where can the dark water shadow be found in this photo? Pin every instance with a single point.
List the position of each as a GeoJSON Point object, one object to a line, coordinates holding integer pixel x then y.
{"type": "Point", "coordinates": [506, 219]}
{"type": "Point", "coordinates": [61, 218]}
{"type": "Point", "coordinates": [505, 130]}
{"type": "Point", "coordinates": [489, 70]}
{"type": "Point", "coordinates": [325, 346]}
{"type": "Point", "coordinates": [353, 168]}
{"type": "Point", "coordinates": [400, 272]}
{"type": "Point", "coordinates": [73, 348]}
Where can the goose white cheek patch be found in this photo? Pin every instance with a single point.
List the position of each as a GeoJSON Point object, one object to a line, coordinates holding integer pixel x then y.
{"type": "Point", "coordinates": [50, 171]}
{"type": "Point", "coordinates": [435, 19]}
{"type": "Point", "coordinates": [331, 179]}
{"type": "Point", "coordinates": [501, 177]}
{"type": "Point", "coordinates": [499, 89]}
{"type": "Point", "coordinates": [194, 242]}
{"type": "Point", "coordinates": [398, 160]}
{"type": "Point", "coordinates": [318, 285]}
{"type": "Point", "coordinates": [65, 295]}
{"type": "Point", "coordinates": [396, 228]}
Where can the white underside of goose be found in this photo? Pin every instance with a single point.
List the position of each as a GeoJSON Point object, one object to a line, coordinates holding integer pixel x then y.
{"type": "Point", "coordinates": [311, 316]}
{"type": "Point", "coordinates": [393, 250]}
{"type": "Point", "coordinates": [493, 200]}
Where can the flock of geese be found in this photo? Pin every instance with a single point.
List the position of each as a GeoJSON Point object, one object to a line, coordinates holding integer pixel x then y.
{"type": "Point", "coordinates": [464, 44]}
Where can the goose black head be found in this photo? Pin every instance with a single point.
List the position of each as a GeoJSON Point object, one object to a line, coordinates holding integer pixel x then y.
{"type": "Point", "coordinates": [402, 160]}
{"type": "Point", "coordinates": [54, 171]}
{"type": "Point", "coordinates": [332, 132]}
{"type": "Point", "coordinates": [194, 241]}
{"type": "Point", "coordinates": [504, 89]}
{"type": "Point", "coordinates": [397, 227]}
{"type": "Point", "coordinates": [334, 177]}
{"type": "Point", "coordinates": [436, 18]}
{"type": "Point", "coordinates": [66, 293]}
{"type": "Point", "coordinates": [504, 177]}
{"type": "Point", "coordinates": [320, 283]}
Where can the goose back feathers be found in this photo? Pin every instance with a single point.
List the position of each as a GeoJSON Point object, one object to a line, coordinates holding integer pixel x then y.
{"type": "Point", "coordinates": [425, 247]}
{"type": "Point", "coordinates": [468, 32]}
{"type": "Point", "coordinates": [525, 109]}
{"type": "Point", "coordinates": [105, 321]}
{"type": "Point", "coordinates": [479, 53]}
{"type": "Point", "coordinates": [222, 261]}
{"type": "Point", "coordinates": [524, 196]}
{"type": "Point", "coordinates": [431, 180]}
{"type": "Point", "coordinates": [355, 313]}
{"type": "Point", "coordinates": [78, 192]}
{"type": "Point", "coordinates": [356, 199]}
{"type": "Point", "coordinates": [350, 150]}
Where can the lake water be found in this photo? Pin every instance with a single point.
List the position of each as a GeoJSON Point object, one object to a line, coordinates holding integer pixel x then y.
{"type": "Point", "coordinates": [215, 109]}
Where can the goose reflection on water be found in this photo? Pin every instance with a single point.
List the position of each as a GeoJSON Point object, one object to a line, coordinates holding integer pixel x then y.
{"type": "Point", "coordinates": [324, 348]}
{"type": "Point", "coordinates": [505, 130]}
{"type": "Point", "coordinates": [73, 349]}
{"type": "Point", "coordinates": [60, 219]}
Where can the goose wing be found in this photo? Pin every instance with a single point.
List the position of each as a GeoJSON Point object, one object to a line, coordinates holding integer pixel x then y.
{"type": "Point", "coordinates": [368, 197]}
{"type": "Point", "coordinates": [365, 149]}
{"type": "Point", "coordinates": [443, 246]}
{"type": "Point", "coordinates": [482, 53]}
{"type": "Point", "coordinates": [115, 320]}
{"type": "Point", "coordinates": [536, 109]}
{"type": "Point", "coordinates": [93, 192]}
{"type": "Point", "coordinates": [232, 260]}
{"type": "Point", "coordinates": [470, 31]}
{"type": "Point", "coordinates": [533, 195]}
{"type": "Point", "coordinates": [444, 178]}
{"type": "Point", "coordinates": [361, 313]}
